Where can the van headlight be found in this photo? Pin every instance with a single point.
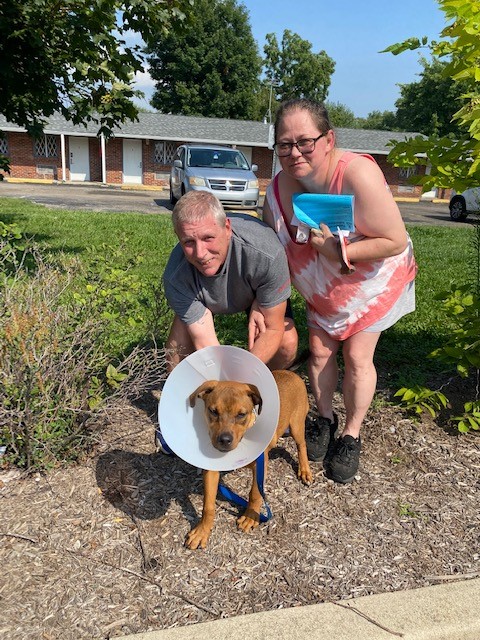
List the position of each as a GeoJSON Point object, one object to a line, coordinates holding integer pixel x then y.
{"type": "Point", "coordinates": [253, 184]}
{"type": "Point", "coordinates": [196, 181]}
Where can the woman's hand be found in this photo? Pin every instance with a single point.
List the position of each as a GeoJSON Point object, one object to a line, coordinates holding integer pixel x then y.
{"type": "Point", "coordinates": [324, 242]}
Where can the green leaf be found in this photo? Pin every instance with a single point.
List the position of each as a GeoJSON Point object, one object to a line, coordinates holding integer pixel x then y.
{"type": "Point", "coordinates": [407, 45]}
{"type": "Point", "coordinates": [462, 427]}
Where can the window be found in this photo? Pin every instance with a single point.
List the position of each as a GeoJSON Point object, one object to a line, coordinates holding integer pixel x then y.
{"type": "Point", "coordinates": [407, 172]}
{"type": "Point", "coordinates": [163, 152]}
{"type": "Point", "coordinates": [46, 147]}
{"type": "Point", "coordinates": [3, 146]}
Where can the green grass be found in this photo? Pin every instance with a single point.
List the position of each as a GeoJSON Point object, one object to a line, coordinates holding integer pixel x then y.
{"type": "Point", "coordinates": [73, 231]}
{"type": "Point", "coordinates": [444, 256]}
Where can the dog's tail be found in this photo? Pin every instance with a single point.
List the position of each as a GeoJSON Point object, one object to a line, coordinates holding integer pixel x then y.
{"type": "Point", "coordinates": [302, 357]}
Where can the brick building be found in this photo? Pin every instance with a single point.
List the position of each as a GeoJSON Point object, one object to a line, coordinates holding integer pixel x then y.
{"type": "Point", "coordinates": [141, 152]}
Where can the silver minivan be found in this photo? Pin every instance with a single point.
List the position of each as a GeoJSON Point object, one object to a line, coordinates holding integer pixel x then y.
{"type": "Point", "coordinates": [222, 170]}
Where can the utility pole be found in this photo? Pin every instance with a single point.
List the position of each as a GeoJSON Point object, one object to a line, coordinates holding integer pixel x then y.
{"type": "Point", "coordinates": [268, 116]}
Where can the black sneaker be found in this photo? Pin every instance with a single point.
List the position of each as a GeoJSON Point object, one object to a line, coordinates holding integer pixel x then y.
{"type": "Point", "coordinates": [319, 435]}
{"type": "Point", "coordinates": [343, 463]}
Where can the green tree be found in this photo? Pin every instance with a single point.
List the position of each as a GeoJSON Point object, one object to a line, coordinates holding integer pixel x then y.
{"type": "Point", "coordinates": [340, 115]}
{"type": "Point", "coordinates": [454, 160]}
{"type": "Point", "coordinates": [378, 120]}
{"type": "Point", "coordinates": [427, 106]}
{"type": "Point", "coordinates": [72, 57]}
{"type": "Point", "coordinates": [210, 68]}
{"type": "Point", "coordinates": [294, 70]}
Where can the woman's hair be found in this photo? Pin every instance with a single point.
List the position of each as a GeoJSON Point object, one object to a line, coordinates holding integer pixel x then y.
{"type": "Point", "coordinates": [196, 205]}
{"type": "Point", "coordinates": [316, 109]}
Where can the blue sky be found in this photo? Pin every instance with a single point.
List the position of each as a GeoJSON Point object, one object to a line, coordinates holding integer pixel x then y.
{"type": "Point", "coordinates": [352, 32]}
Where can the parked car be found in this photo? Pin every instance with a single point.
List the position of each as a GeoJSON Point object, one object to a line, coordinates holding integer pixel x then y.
{"type": "Point", "coordinates": [222, 170]}
{"type": "Point", "coordinates": [461, 204]}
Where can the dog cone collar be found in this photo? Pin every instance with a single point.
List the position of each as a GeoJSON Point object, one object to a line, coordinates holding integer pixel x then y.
{"type": "Point", "coordinates": [184, 428]}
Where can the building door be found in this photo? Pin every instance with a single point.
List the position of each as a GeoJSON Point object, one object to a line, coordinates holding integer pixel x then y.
{"type": "Point", "coordinates": [79, 159]}
{"type": "Point", "coordinates": [132, 161]}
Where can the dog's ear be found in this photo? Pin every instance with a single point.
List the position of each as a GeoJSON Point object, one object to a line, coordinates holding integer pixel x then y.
{"type": "Point", "coordinates": [254, 393]}
{"type": "Point", "coordinates": [204, 389]}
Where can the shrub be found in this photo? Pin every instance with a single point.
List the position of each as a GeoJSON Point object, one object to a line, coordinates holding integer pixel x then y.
{"type": "Point", "coordinates": [12, 245]}
{"type": "Point", "coordinates": [461, 349]}
{"type": "Point", "coordinates": [60, 352]}
{"type": "Point", "coordinates": [4, 166]}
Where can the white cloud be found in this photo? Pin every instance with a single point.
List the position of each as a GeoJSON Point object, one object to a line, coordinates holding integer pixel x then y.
{"type": "Point", "coordinates": [144, 82]}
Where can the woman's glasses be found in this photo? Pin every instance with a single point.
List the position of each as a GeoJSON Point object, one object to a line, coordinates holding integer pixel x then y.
{"type": "Point", "coordinates": [305, 145]}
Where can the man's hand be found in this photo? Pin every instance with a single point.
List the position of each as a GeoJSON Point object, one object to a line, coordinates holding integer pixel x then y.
{"type": "Point", "coordinates": [265, 336]}
{"type": "Point", "coordinates": [256, 324]}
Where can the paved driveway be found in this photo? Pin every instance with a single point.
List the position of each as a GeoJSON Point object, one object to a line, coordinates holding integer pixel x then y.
{"type": "Point", "coordinates": [90, 197]}
{"type": "Point", "coordinates": [102, 198]}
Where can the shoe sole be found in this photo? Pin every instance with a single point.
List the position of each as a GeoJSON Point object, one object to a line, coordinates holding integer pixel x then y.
{"type": "Point", "coordinates": [330, 476]}
{"type": "Point", "coordinates": [341, 481]}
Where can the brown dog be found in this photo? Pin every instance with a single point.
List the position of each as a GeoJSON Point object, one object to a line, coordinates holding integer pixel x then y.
{"type": "Point", "coordinates": [229, 412]}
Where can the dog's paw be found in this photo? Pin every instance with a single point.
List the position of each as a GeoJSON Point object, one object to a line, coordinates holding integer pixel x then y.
{"type": "Point", "coordinates": [197, 537]}
{"type": "Point", "coordinates": [305, 475]}
{"type": "Point", "coordinates": [248, 521]}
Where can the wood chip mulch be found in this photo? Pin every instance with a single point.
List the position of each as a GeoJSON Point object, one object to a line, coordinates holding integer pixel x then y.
{"type": "Point", "coordinates": [96, 550]}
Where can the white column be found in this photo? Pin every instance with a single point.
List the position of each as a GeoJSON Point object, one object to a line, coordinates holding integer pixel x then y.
{"type": "Point", "coordinates": [104, 159]}
{"type": "Point", "coordinates": [64, 163]}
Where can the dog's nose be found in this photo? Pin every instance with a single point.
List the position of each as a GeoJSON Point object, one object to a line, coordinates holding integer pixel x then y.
{"type": "Point", "coordinates": [224, 440]}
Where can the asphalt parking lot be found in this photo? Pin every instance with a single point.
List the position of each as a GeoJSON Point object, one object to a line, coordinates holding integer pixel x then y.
{"type": "Point", "coordinates": [94, 197]}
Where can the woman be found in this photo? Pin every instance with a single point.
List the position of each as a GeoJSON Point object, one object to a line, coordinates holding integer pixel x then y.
{"type": "Point", "coordinates": [343, 308]}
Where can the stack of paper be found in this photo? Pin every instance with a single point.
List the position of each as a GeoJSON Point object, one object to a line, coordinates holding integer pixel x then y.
{"type": "Point", "coordinates": [336, 211]}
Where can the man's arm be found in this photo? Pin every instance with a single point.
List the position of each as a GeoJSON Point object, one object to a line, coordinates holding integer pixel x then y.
{"type": "Point", "coordinates": [184, 339]}
{"type": "Point", "coordinates": [202, 332]}
{"type": "Point", "coordinates": [265, 344]}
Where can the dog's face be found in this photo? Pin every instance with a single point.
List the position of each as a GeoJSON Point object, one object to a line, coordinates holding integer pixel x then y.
{"type": "Point", "coordinates": [229, 410]}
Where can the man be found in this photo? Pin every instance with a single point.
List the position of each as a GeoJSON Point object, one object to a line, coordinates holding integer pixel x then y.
{"type": "Point", "coordinates": [225, 265]}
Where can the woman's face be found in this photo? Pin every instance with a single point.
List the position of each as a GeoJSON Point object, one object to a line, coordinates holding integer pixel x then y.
{"type": "Point", "coordinates": [295, 126]}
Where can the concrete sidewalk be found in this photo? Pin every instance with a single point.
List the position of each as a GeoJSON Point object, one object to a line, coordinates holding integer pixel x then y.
{"type": "Point", "coordinates": [443, 612]}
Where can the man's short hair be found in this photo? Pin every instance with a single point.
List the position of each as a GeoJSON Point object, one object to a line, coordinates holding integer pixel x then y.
{"type": "Point", "coordinates": [196, 205]}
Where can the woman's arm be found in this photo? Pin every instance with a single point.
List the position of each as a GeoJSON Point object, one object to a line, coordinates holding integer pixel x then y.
{"type": "Point", "coordinates": [377, 215]}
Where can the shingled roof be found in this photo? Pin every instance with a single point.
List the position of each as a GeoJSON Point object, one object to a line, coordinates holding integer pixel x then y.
{"type": "Point", "coordinates": [159, 126]}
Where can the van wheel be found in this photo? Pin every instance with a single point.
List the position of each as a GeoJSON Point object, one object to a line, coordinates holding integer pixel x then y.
{"type": "Point", "coordinates": [458, 209]}
{"type": "Point", "coordinates": [173, 200]}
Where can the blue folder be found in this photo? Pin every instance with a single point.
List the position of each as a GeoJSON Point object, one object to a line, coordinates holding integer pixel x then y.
{"type": "Point", "coordinates": [336, 211]}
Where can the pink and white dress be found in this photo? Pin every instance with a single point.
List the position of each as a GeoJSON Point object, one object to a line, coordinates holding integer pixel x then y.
{"type": "Point", "coordinates": [372, 298]}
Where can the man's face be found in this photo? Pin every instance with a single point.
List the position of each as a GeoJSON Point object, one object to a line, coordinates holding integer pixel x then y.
{"type": "Point", "coordinates": [205, 244]}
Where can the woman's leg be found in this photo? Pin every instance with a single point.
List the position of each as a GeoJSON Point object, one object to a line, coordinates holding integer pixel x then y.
{"type": "Point", "coordinates": [323, 370]}
{"type": "Point", "coordinates": [360, 379]}
{"type": "Point", "coordinates": [323, 376]}
{"type": "Point", "coordinates": [359, 384]}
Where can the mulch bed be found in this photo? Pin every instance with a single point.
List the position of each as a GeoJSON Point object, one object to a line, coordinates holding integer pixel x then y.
{"type": "Point", "coordinates": [96, 550]}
